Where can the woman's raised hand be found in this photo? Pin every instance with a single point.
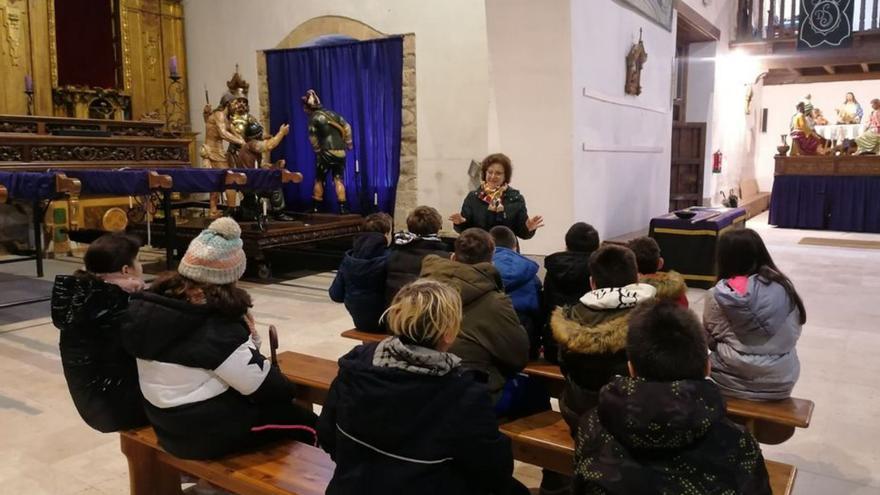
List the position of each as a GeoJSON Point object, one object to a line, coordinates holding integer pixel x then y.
{"type": "Point", "coordinates": [457, 219]}
{"type": "Point", "coordinates": [535, 223]}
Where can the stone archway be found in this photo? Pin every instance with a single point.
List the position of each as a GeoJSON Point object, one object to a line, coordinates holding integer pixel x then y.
{"type": "Point", "coordinates": [407, 184]}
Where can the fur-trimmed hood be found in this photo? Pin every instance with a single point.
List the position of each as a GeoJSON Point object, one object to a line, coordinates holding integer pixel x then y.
{"type": "Point", "coordinates": [669, 285]}
{"type": "Point", "coordinates": [603, 332]}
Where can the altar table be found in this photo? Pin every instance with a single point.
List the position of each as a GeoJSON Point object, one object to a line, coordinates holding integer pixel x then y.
{"type": "Point", "coordinates": [688, 246]}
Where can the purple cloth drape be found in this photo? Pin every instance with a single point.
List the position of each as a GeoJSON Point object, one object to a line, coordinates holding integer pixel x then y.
{"type": "Point", "coordinates": [845, 203]}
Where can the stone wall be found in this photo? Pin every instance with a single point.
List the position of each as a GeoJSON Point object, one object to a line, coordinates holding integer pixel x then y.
{"type": "Point", "coordinates": [407, 185]}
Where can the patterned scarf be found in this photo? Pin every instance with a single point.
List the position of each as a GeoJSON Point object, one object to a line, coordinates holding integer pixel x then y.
{"type": "Point", "coordinates": [492, 195]}
{"type": "Point", "coordinates": [393, 353]}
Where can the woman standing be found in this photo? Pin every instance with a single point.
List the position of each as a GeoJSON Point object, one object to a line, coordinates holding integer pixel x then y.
{"type": "Point", "coordinates": [753, 317]}
{"type": "Point", "coordinates": [496, 203]}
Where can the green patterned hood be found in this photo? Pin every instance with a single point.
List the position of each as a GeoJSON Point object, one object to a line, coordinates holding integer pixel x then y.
{"type": "Point", "coordinates": [644, 415]}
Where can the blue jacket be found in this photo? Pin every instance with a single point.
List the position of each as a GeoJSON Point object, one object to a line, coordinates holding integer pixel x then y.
{"type": "Point", "coordinates": [520, 277]}
{"type": "Point", "coordinates": [360, 281]}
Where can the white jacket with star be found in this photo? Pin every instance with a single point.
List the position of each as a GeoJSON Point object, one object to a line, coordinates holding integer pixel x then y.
{"type": "Point", "coordinates": [201, 374]}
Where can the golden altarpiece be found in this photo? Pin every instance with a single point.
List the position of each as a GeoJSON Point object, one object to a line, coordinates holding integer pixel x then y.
{"type": "Point", "coordinates": [95, 60]}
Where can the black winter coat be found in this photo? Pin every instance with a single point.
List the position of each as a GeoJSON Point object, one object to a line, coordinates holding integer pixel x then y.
{"type": "Point", "coordinates": [476, 213]}
{"type": "Point", "coordinates": [101, 376]}
{"type": "Point", "coordinates": [566, 281]}
{"type": "Point", "coordinates": [621, 450]}
{"type": "Point", "coordinates": [393, 431]}
{"type": "Point", "coordinates": [405, 262]}
{"type": "Point", "coordinates": [204, 380]}
{"type": "Point", "coordinates": [360, 281]}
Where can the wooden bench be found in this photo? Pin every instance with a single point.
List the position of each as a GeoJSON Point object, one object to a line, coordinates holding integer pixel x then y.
{"type": "Point", "coordinates": [286, 468]}
{"type": "Point", "coordinates": [772, 422]}
{"type": "Point", "coordinates": [544, 440]}
{"type": "Point", "coordinates": [752, 199]}
{"type": "Point", "coordinates": [312, 375]}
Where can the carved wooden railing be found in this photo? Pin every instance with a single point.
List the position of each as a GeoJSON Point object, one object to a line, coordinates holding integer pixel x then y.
{"type": "Point", "coordinates": [31, 143]}
{"type": "Point", "coordinates": [780, 19]}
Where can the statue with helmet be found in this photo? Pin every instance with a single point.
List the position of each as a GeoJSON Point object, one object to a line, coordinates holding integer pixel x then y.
{"type": "Point", "coordinates": [330, 136]}
{"type": "Point", "coordinates": [256, 144]}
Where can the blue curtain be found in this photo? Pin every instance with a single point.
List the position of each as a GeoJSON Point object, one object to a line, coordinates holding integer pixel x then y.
{"type": "Point", "coordinates": [360, 81]}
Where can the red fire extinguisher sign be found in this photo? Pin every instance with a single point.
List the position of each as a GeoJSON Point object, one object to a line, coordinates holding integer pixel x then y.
{"type": "Point", "coordinates": [716, 162]}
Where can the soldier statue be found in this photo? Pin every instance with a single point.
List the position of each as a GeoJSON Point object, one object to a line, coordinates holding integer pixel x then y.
{"type": "Point", "coordinates": [330, 136]}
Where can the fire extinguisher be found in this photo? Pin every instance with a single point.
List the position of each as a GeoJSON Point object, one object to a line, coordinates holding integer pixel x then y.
{"type": "Point", "coordinates": [716, 162]}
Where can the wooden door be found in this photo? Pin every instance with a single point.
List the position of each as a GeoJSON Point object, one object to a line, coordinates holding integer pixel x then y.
{"type": "Point", "coordinates": [688, 154]}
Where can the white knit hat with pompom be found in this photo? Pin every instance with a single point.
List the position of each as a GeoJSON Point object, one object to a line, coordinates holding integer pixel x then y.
{"type": "Point", "coordinates": [216, 255]}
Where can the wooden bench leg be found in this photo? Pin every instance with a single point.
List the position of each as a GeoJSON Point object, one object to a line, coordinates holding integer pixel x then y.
{"type": "Point", "coordinates": [148, 476]}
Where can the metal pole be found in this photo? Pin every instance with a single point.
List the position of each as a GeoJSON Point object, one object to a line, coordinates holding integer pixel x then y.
{"type": "Point", "coordinates": [38, 237]}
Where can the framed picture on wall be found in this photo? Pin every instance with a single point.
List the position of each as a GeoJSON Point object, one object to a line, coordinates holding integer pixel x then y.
{"type": "Point", "coordinates": [659, 11]}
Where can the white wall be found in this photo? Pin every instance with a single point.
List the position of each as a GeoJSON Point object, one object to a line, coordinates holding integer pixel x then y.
{"type": "Point", "coordinates": [451, 61]}
{"type": "Point", "coordinates": [780, 101]}
{"type": "Point", "coordinates": [530, 114]}
{"type": "Point", "coordinates": [624, 180]}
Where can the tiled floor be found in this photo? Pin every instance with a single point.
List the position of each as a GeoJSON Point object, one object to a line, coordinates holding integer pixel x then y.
{"type": "Point", "coordinates": [46, 449]}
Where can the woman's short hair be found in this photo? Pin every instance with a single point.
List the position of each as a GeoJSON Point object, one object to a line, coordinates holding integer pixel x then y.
{"type": "Point", "coordinates": [424, 311]}
{"type": "Point", "coordinates": [501, 159]}
{"type": "Point", "coordinates": [424, 220]}
{"type": "Point", "coordinates": [111, 252]}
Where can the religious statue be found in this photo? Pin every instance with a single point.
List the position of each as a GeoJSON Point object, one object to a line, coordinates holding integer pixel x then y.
{"type": "Point", "coordinates": [635, 60]}
{"type": "Point", "coordinates": [330, 136]}
{"type": "Point", "coordinates": [217, 130]}
{"type": "Point", "coordinates": [869, 142]}
{"type": "Point", "coordinates": [850, 112]}
{"type": "Point", "coordinates": [803, 139]}
{"type": "Point", "coordinates": [818, 118]}
{"type": "Point", "coordinates": [251, 156]}
{"type": "Point", "coordinates": [808, 104]}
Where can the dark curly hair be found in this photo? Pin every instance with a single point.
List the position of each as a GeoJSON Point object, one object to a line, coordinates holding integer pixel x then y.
{"type": "Point", "coordinates": [500, 159]}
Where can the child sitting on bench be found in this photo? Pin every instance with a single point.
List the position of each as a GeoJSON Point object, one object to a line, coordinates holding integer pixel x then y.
{"type": "Point", "coordinates": [209, 391]}
{"type": "Point", "coordinates": [567, 278]}
{"type": "Point", "coordinates": [753, 317]}
{"type": "Point", "coordinates": [670, 285]}
{"type": "Point", "coordinates": [592, 333]}
{"type": "Point", "coordinates": [663, 428]}
{"type": "Point", "coordinates": [89, 309]}
{"type": "Point", "coordinates": [403, 417]}
{"type": "Point", "coordinates": [360, 281]}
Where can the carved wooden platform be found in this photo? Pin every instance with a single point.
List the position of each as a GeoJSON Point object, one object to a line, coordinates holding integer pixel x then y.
{"type": "Point", "coordinates": [305, 229]}
{"type": "Point", "coordinates": [828, 165]}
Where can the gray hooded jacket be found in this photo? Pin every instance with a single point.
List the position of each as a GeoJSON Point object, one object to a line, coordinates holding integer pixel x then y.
{"type": "Point", "coordinates": [753, 339]}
